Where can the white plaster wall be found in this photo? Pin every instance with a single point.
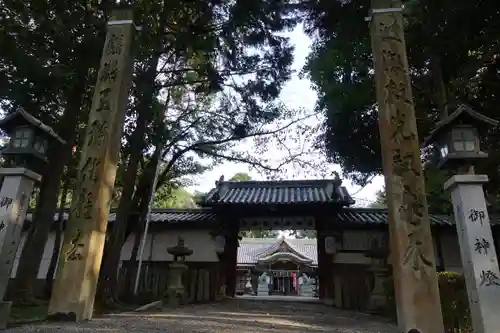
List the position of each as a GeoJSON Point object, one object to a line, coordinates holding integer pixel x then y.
{"type": "Point", "coordinates": [360, 240]}
{"type": "Point", "coordinates": [200, 241]}
{"type": "Point", "coordinates": [203, 246]}
{"type": "Point", "coordinates": [47, 255]}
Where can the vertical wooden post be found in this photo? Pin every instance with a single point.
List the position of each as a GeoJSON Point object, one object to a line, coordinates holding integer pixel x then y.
{"type": "Point", "coordinates": [231, 256]}
{"type": "Point", "coordinates": [413, 262]}
{"type": "Point", "coordinates": [80, 259]}
{"type": "Point", "coordinates": [325, 263]}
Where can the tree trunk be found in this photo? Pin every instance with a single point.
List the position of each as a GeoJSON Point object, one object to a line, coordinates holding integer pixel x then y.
{"type": "Point", "coordinates": [117, 237]}
{"type": "Point", "coordinates": [38, 233]}
{"type": "Point", "coordinates": [441, 97]}
{"type": "Point", "coordinates": [49, 279]}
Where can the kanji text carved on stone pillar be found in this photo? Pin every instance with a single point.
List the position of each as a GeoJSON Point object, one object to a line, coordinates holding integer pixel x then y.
{"type": "Point", "coordinates": [412, 254]}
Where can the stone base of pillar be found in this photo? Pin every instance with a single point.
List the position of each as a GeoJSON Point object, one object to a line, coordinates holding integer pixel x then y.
{"type": "Point", "coordinates": [4, 313]}
{"type": "Point", "coordinates": [176, 293]}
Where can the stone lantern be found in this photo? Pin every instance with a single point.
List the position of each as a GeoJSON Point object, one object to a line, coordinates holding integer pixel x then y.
{"type": "Point", "coordinates": [378, 255]}
{"type": "Point", "coordinates": [456, 138]}
{"type": "Point", "coordinates": [176, 291]}
{"type": "Point", "coordinates": [29, 140]}
{"type": "Point", "coordinates": [25, 155]}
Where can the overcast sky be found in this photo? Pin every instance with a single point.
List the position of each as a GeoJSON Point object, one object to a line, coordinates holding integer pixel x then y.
{"type": "Point", "coordinates": [296, 93]}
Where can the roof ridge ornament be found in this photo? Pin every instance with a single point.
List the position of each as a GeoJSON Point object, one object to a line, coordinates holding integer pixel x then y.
{"type": "Point", "coordinates": [218, 186]}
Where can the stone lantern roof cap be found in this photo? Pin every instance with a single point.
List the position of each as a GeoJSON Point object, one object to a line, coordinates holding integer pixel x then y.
{"type": "Point", "coordinates": [462, 115]}
{"type": "Point", "coordinates": [20, 118]}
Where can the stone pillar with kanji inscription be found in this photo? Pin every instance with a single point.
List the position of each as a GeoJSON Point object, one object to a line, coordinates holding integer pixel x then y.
{"type": "Point", "coordinates": [479, 258]}
{"type": "Point", "coordinates": [81, 253]}
{"type": "Point", "coordinates": [412, 253]}
{"type": "Point", "coordinates": [14, 198]}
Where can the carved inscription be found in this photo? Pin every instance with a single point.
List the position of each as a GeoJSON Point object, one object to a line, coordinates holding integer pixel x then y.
{"type": "Point", "coordinates": [114, 45]}
{"type": "Point", "coordinates": [481, 246]}
{"type": "Point", "coordinates": [489, 278]}
{"type": "Point", "coordinates": [403, 140]}
{"type": "Point", "coordinates": [477, 216]}
{"type": "Point", "coordinates": [74, 253]}
{"type": "Point", "coordinates": [109, 72]}
{"type": "Point", "coordinates": [104, 103]}
{"type": "Point", "coordinates": [89, 169]}
{"type": "Point", "coordinates": [5, 202]}
{"type": "Point", "coordinates": [97, 133]}
{"type": "Point", "coordinates": [83, 206]}
{"type": "Point", "coordinates": [414, 254]}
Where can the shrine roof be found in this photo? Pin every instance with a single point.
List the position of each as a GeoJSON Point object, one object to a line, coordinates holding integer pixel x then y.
{"type": "Point", "coordinates": [253, 249]}
{"type": "Point", "coordinates": [348, 216]}
{"type": "Point", "coordinates": [279, 192]}
{"type": "Point", "coordinates": [380, 216]}
{"type": "Point", "coordinates": [159, 215]}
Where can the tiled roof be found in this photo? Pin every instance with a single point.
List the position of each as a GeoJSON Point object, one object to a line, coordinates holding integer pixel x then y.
{"type": "Point", "coordinates": [159, 215]}
{"type": "Point", "coordinates": [372, 216]}
{"type": "Point", "coordinates": [359, 216]}
{"type": "Point", "coordinates": [251, 249]}
{"type": "Point", "coordinates": [279, 192]}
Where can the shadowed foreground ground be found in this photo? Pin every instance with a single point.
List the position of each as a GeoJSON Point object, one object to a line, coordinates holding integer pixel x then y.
{"type": "Point", "coordinates": [236, 316]}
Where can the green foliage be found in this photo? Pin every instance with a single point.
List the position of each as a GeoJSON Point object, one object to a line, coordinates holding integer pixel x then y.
{"type": "Point", "coordinates": [380, 199]}
{"type": "Point", "coordinates": [167, 197]}
{"type": "Point", "coordinates": [450, 63]}
{"type": "Point", "coordinates": [304, 234]}
{"type": "Point", "coordinates": [438, 200]}
{"type": "Point", "coordinates": [240, 176]}
{"type": "Point", "coordinates": [454, 302]}
{"type": "Point", "coordinates": [259, 233]}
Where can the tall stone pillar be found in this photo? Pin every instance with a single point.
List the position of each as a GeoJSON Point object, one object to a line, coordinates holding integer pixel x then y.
{"type": "Point", "coordinates": [80, 259]}
{"type": "Point", "coordinates": [415, 278]}
{"type": "Point", "coordinates": [14, 198]}
{"type": "Point", "coordinates": [479, 258]}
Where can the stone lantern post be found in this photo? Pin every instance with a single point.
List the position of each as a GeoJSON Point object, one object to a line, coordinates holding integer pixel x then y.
{"type": "Point", "coordinates": [25, 157]}
{"type": "Point", "coordinates": [456, 140]}
{"type": "Point", "coordinates": [378, 254]}
{"type": "Point", "coordinates": [176, 293]}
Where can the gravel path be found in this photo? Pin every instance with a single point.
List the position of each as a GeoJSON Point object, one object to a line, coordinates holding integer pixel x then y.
{"type": "Point", "coordinates": [235, 316]}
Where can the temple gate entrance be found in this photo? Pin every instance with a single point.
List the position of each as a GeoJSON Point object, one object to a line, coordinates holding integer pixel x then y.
{"type": "Point", "coordinates": [284, 205]}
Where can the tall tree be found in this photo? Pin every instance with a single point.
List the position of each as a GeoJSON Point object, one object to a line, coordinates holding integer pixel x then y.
{"type": "Point", "coordinates": [46, 60]}
{"type": "Point", "coordinates": [189, 79]}
{"type": "Point", "coordinates": [449, 61]}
